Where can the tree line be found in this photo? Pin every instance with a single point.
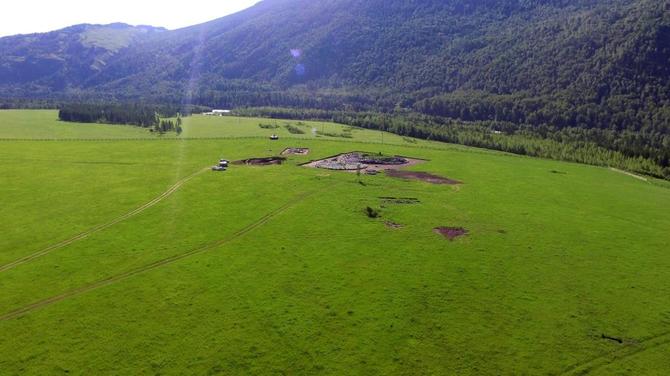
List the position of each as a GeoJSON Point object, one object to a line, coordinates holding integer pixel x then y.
{"type": "Point", "coordinates": [567, 145]}
{"type": "Point", "coordinates": [144, 116]}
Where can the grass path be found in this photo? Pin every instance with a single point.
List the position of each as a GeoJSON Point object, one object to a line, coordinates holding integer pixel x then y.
{"type": "Point", "coordinates": [156, 264]}
{"type": "Point", "coordinates": [101, 227]}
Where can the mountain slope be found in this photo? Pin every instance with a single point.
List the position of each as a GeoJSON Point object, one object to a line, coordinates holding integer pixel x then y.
{"type": "Point", "coordinates": [557, 54]}
{"type": "Point", "coordinates": [61, 59]}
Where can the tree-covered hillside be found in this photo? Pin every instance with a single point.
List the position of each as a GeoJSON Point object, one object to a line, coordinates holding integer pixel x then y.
{"type": "Point", "coordinates": [52, 63]}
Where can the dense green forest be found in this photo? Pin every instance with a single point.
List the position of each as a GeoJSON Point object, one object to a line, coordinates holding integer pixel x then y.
{"type": "Point", "coordinates": [140, 115]}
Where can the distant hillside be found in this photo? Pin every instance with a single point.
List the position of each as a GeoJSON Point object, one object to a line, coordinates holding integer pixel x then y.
{"type": "Point", "coordinates": [585, 51]}
{"type": "Point", "coordinates": [61, 60]}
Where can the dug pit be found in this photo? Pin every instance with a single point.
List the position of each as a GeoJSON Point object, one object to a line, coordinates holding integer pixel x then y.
{"type": "Point", "coordinates": [451, 233]}
{"type": "Point", "coordinates": [295, 151]}
{"type": "Point", "coordinates": [393, 225]}
{"type": "Point", "coordinates": [400, 200]}
{"type": "Point", "coordinates": [365, 162]}
{"type": "Point", "coordinates": [261, 161]}
{"type": "Point", "coordinates": [422, 176]}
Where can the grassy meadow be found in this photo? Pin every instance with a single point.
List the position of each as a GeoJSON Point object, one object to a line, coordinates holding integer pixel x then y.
{"type": "Point", "coordinates": [122, 254]}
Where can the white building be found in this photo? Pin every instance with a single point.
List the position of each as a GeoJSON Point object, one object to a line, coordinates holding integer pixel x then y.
{"type": "Point", "coordinates": [218, 113]}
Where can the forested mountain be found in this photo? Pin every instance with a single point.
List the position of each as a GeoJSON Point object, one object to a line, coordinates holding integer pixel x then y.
{"type": "Point", "coordinates": [58, 61]}
{"type": "Point", "coordinates": [542, 66]}
{"type": "Point", "coordinates": [590, 50]}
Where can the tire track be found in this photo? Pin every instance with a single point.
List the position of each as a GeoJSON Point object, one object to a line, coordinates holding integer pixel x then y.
{"type": "Point", "coordinates": [101, 227]}
{"type": "Point", "coordinates": [154, 265]}
{"type": "Point", "coordinates": [615, 356]}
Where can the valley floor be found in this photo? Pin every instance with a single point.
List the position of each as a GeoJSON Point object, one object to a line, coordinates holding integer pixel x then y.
{"type": "Point", "coordinates": [122, 253]}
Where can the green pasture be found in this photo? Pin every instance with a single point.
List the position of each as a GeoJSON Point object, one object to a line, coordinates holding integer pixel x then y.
{"type": "Point", "coordinates": [277, 270]}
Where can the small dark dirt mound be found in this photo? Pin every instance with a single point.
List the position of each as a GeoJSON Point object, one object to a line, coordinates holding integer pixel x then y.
{"type": "Point", "coordinates": [262, 161]}
{"type": "Point", "coordinates": [423, 176]}
{"type": "Point", "coordinates": [451, 233]}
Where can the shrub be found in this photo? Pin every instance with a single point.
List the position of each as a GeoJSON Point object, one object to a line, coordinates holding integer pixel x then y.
{"type": "Point", "coordinates": [332, 134]}
{"type": "Point", "coordinates": [293, 129]}
{"type": "Point", "coordinates": [371, 213]}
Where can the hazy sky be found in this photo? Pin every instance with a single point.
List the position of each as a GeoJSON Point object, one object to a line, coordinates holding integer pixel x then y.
{"type": "Point", "coordinates": [31, 16]}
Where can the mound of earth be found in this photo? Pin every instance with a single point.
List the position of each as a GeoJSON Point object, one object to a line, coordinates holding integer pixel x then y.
{"type": "Point", "coordinates": [295, 151]}
{"type": "Point", "coordinates": [261, 161]}
{"type": "Point", "coordinates": [451, 233]}
{"type": "Point", "coordinates": [423, 176]}
{"type": "Point", "coordinates": [366, 162]}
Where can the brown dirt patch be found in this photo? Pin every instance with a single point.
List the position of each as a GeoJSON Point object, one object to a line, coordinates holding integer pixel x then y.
{"type": "Point", "coordinates": [261, 161]}
{"type": "Point", "coordinates": [451, 233]}
{"type": "Point", "coordinates": [423, 176]}
{"type": "Point", "coordinates": [295, 151]}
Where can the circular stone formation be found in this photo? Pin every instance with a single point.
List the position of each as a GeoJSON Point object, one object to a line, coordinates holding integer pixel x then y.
{"type": "Point", "coordinates": [356, 161]}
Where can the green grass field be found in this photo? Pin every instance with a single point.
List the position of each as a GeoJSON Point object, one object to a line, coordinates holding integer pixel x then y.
{"type": "Point", "coordinates": [121, 254]}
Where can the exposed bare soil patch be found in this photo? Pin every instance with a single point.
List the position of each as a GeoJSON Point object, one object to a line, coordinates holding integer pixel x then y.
{"type": "Point", "coordinates": [365, 162]}
{"type": "Point", "coordinates": [400, 200]}
{"type": "Point", "coordinates": [423, 176]}
{"type": "Point", "coordinates": [451, 233]}
{"type": "Point", "coordinates": [261, 161]}
{"type": "Point", "coordinates": [393, 225]}
{"type": "Point", "coordinates": [295, 151]}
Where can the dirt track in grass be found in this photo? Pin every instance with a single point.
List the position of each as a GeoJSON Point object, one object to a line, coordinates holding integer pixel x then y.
{"type": "Point", "coordinates": [154, 265]}
{"type": "Point", "coordinates": [101, 227]}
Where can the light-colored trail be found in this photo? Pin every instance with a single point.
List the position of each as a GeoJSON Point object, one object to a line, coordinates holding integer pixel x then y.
{"type": "Point", "coordinates": [101, 227]}
{"type": "Point", "coordinates": [154, 265]}
{"type": "Point", "coordinates": [638, 177]}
